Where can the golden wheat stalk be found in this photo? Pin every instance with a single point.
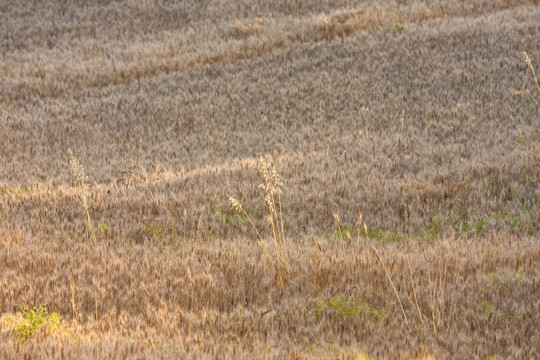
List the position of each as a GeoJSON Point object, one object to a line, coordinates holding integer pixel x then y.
{"type": "Point", "coordinates": [393, 287]}
{"type": "Point", "coordinates": [272, 188]}
{"type": "Point", "coordinates": [80, 180]}
{"type": "Point", "coordinates": [238, 207]}
{"type": "Point", "coordinates": [414, 290]}
{"type": "Point", "coordinates": [531, 68]}
{"type": "Point", "coordinates": [336, 216]}
{"type": "Point", "coordinates": [272, 196]}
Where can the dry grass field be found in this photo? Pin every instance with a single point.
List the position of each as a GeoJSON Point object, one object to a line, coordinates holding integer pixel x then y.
{"type": "Point", "coordinates": [288, 179]}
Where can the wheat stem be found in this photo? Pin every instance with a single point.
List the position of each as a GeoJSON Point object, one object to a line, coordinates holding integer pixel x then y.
{"type": "Point", "coordinates": [414, 290]}
{"type": "Point", "coordinates": [80, 178]}
{"type": "Point", "coordinates": [393, 287]}
{"type": "Point", "coordinates": [530, 66]}
{"type": "Point", "coordinates": [236, 204]}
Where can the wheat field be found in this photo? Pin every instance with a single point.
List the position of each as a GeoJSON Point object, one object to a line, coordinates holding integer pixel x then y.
{"type": "Point", "coordinates": [289, 179]}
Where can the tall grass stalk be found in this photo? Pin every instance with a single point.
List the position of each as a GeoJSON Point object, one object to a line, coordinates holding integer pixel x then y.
{"type": "Point", "coordinates": [393, 287]}
{"type": "Point", "coordinates": [80, 180]}
{"type": "Point", "coordinates": [272, 188]}
{"type": "Point", "coordinates": [414, 290]}
{"type": "Point", "coordinates": [336, 216]}
{"type": "Point", "coordinates": [531, 68]}
{"type": "Point", "coordinates": [239, 208]}
{"type": "Point", "coordinates": [272, 196]}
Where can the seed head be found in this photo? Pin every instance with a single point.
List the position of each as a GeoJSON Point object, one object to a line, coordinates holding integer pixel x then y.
{"type": "Point", "coordinates": [235, 203]}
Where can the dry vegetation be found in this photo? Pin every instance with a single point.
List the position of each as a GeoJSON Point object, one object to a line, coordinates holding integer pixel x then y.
{"type": "Point", "coordinates": [406, 134]}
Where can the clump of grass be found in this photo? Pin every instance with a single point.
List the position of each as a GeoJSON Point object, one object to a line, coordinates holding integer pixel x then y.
{"type": "Point", "coordinates": [271, 187]}
{"type": "Point", "coordinates": [272, 196]}
{"type": "Point", "coordinates": [80, 181]}
{"type": "Point", "coordinates": [351, 308]}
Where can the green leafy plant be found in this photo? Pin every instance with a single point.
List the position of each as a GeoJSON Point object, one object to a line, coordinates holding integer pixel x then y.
{"type": "Point", "coordinates": [433, 231]}
{"type": "Point", "coordinates": [488, 308]}
{"type": "Point", "coordinates": [35, 320]}
{"type": "Point", "coordinates": [344, 307]}
{"type": "Point", "coordinates": [350, 308]}
{"type": "Point", "coordinates": [228, 218]}
{"type": "Point", "coordinates": [501, 215]}
{"type": "Point", "coordinates": [520, 140]}
{"type": "Point", "coordinates": [515, 193]}
{"type": "Point", "coordinates": [515, 222]}
{"type": "Point", "coordinates": [348, 232]}
{"type": "Point", "coordinates": [344, 233]}
{"type": "Point", "coordinates": [383, 236]}
{"type": "Point", "coordinates": [512, 279]}
{"type": "Point", "coordinates": [532, 229]}
{"type": "Point", "coordinates": [477, 226]}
